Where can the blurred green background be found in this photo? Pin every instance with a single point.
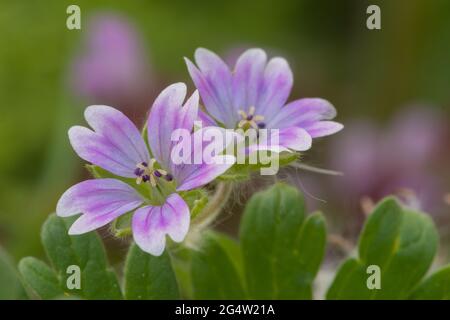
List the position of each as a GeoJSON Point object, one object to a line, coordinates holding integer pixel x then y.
{"type": "Point", "coordinates": [332, 54]}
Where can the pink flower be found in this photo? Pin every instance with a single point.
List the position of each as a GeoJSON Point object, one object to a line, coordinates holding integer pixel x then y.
{"type": "Point", "coordinates": [254, 95]}
{"type": "Point", "coordinates": [147, 184]}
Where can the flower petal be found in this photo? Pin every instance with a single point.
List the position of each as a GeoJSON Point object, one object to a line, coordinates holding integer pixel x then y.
{"type": "Point", "coordinates": [213, 80]}
{"type": "Point", "coordinates": [206, 161]}
{"type": "Point", "coordinates": [205, 173]}
{"type": "Point", "coordinates": [303, 112]}
{"type": "Point", "coordinates": [206, 119]}
{"type": "Point", "coordinates": [308, 114]}
{"type": "Point", "coordinates": [248, 78]}
{"type": "Point", "coordinates": [323, 128]}
{"type": "Point", "coordinates": [99, 200]}
{"type": "Point", "coordinates": [119, 130]}
{"type": "Point", "coordinates": [276, 87]}
{"type": "Point", "coordinates": [100, 151]}
{"type": "Point", "coordinates": [116, 145]}
{"type": "Point", "coordinates": [151, 224]}
{"type": "Point", "coordinates": [293, 138]}
{"type": "Point", "coordinates": [168, 114]}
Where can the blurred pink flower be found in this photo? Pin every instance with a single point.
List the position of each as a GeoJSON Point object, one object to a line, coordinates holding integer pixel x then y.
{"type": "Point", "coordinates": [401, 160]}
{"type": "Point", "coordinates": [112, 68]}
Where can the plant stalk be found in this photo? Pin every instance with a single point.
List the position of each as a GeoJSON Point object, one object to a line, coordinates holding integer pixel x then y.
{"type": "Point", "coordinates": [212, 209]}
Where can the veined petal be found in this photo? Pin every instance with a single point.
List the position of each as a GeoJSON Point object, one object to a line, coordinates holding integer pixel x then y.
{"type": "Point", "coordinates": [213, 80]}
{"type": "Point", "coordinates": [167, 115]}
{"type": "Point", "coordinates": [323, 128]}
{"type": "Point", "coordinates": [206, 119]}
{"type": "Point", "coordinates": [206, 161]}
{"type": "Point", "coordinates": [293, 138]}
{"type": "Point", "coordinates": [116, 144]}
{"type": "Point", "coordinates": [114, 126]}
{"type": "Point", "coordinates": [277, 85]}
{"type": "Point", "coordinates": [151, 224]}
{"type": "Point", "coordinates": [206, 91]}
{"type": "Point", "coordinates": [189, 113]}
{"type": "Point", "coordinates": [248, 78]}
{"type": "Point", "coordinates": [98, 150]}
{"type": "Point", "coordinates": [303, 112]}
{"type": "Point", "coordinates": [99, 200]}
{"type": "Point", "coordinates": [202, 174]}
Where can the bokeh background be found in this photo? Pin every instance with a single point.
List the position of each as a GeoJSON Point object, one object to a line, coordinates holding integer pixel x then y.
{"type": "Point", "coordinates": [391, 88]}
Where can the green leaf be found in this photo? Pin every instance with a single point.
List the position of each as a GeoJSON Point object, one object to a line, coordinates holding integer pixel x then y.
{"type": "Point", "coordinates": [40, 278]}
{"type": "Point", "coordinates": [349, 282]}
{"type": "Point", "coordinates": [10, 286]}
{"type": "Point", "coordinates": [282, 251]}
{"type": "Point", "coordinates": [181, 263]}
{"type": "Point", "coordinates": [435, 287]}
{"type": "Point", "coordinates": [380, 235]}
{"type": "Point", "coordinates": [85, 251]}
{"type": "Point", "coordinates": [233, 250]}
{"type": "Point", "coordinates": [401, 242]}
{"type": "Point", "coordinates": [148, 277]}
{"type": "Point", "coordinates": [214, 274]}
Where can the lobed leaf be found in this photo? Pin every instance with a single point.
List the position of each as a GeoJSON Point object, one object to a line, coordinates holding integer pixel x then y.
{"type": "Point", "coordinates": [148, 277]}
{"type": "Point", "coordinates": [10, 285]}
{"type": "Point", "coordinates": [401, 242]}
{"type": "Point", "coordinates": [215, 270]}
{"type": "Point", "coordinates": [40, 278]}
{"type": "Point", "coordinates": [435, 287]}
{"type": "Point", "coordinates": [281, 250]}
{"type": "Point", "coordinates": [85, 251]}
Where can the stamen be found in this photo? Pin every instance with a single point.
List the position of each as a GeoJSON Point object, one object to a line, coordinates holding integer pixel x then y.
{"type": "Point", "coordinates": [145, 172]}
{"type": "Point", "coordinates": [152, 181]}
{"type": "Point", "coordinates": [242, 123]}
{"type": "Point", "coordinates": [250, 120]}
{"type": "Point", "coordinates": [253, 124]}
{"type": "Point", "coordinates": [261, 125]}
{"type": "Point", "coordinates": [243, 114]}
{"type": "Point", "coordinates": [157, 174]}
{"type": "Point", "coordinates": [163, 172]}
{"type": "Point", "coordinates": [139, 172]}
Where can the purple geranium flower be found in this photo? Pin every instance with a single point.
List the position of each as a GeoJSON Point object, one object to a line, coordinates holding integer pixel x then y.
{"type": "Point", "coordinates": [115, 144]}
{"type": "Point", "coordinates": [254, 95]}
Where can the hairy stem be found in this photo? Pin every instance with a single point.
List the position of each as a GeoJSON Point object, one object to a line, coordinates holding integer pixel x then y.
{"type": "Point", "coordinates": [214, 206]}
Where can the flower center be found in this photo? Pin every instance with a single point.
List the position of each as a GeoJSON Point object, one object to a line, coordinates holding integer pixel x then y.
{"type": "Point", "coordinates": [146, 172]}
{"type": "Point", "coordinates": [250, 120]}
